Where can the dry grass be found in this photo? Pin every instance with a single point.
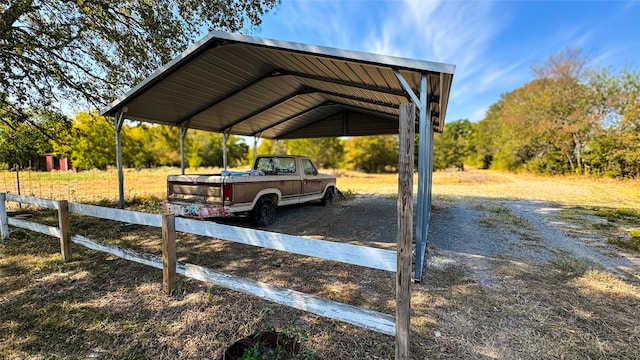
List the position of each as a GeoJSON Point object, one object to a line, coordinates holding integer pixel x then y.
{"type": "Point", "coordinates": [101, 307]}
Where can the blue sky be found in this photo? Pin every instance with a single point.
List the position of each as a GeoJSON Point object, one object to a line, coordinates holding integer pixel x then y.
{"type": "Point", "coordinates": [492, 43]}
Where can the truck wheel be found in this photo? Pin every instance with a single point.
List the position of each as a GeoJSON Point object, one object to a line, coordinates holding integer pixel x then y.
{"type": "Point", "coordinates": [264, 213]}
{"type": "Point", "coordinates": [327, 199]}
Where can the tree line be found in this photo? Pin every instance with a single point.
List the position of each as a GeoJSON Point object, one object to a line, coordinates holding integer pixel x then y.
{"type": "Point", "coordinates": [568, 120]}
{"type": "Point", "coordinates": [89, 141]}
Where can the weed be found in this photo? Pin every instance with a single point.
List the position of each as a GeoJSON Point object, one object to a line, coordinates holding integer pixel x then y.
{"type": "Point", "coordinates": [603, 226]}
{"type": "Point", "coordinates": [348, 194]}
{"type": "Point", "coordinates": [570, 265]}
{"type": "Point", "coordinates": [618, 215]}
{"type": "Point", "coordinates": [631, 244]}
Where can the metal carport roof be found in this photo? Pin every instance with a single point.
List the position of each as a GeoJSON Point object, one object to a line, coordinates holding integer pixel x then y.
{"type": "Point", "coordinates": [244, 85]}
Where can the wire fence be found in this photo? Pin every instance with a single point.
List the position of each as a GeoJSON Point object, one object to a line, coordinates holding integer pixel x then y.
{"type": "Point", "coordinates": [88, 186]}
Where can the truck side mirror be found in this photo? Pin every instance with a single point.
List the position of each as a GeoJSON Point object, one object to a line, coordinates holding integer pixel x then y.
{"type": "Point", "coordinates": [315, 172]}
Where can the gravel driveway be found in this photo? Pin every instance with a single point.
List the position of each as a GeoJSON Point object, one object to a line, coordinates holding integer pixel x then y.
{"type": "Point", "coordinates": [480, 233]}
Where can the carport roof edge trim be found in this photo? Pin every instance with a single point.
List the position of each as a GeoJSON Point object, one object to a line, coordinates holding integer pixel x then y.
{"type": "Point", "coordinates": [347, 55]}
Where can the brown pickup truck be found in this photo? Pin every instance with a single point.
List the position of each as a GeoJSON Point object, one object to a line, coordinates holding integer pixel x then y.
{"type": "Point", "coordinates": [274, 180]}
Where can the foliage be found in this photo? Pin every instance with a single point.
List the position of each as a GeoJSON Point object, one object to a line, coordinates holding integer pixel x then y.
{"type": "Point", "coordinates": [568, 120]}
{"type": "Point", "coordinates": [452, 147]}
{"type": "Point", "coordinates": [372, 154]}
{"type": "Point", "coordinates": [325, 153]}
{"type": "Point", "coordinates": [56, 51]}
{"type": "Point", "coordinates": [205, 149]}
{"type": "Point", "coordinates": [92, 145]}
{"type": "Point", "coordinates": [38, 134]}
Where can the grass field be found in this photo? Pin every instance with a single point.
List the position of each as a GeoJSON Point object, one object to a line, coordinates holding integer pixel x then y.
{"type": "Point", "coordinates": [571, 190]}
{"type": "Point", "coordinates": [101, 307]}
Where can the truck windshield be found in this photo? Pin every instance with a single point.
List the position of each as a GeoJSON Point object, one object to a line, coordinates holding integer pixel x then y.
{"type": "Point", "coordinates": [276, 165]}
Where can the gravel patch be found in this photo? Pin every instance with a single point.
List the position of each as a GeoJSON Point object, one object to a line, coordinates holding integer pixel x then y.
{"type": "Point", "coordinates": [480, 234]}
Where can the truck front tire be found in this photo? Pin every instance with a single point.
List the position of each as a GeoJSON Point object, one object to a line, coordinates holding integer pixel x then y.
{"type": "Point", "coordinates": [264, 212]}
{"type": "Point", "coordinates": [327, 199]}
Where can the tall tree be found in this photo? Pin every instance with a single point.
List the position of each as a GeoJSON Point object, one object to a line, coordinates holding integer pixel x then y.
{"type": "Point", "coordinates": [42, 132]}
{"type": "Point", "coordinates": [372, 154]}
{"type": "Point", "coordinates": [453, 146]}
{"type": "Point", "coordinates": [324, 152]}
{"type": "Point", "coordinates": [56, 51]}
{"type": "Point", "coordinates": [94, 146]}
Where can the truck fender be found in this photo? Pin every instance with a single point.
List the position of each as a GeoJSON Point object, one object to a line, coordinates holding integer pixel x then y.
{"type": "Point", "coordinates": [331, 184]}
{"type": "Point", "coordinates": [270, 191]}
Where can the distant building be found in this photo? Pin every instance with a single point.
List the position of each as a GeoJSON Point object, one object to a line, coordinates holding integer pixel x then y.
{"type": "Point", "coordinates": [49, 162]}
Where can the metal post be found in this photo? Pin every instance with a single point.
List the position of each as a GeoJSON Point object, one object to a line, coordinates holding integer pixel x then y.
{"type": "Point", "coordinates": [277, 146]}
{"type": "Point", "coordinates": [119, 122]}
{"type": "Point", "coordinates": [424, 158]}
{"type": "Point", "coordinates": [183, 134]}
{"type": "Point", "coordinates": [424, 161]}
{"type": "Point", "coordinates": [255, 148]}
{"type": "Point", "coordinates": [225, 136]}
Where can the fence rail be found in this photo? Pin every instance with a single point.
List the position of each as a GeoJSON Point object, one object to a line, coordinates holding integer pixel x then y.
{"type": "Point", "coordinates": [346, 253]}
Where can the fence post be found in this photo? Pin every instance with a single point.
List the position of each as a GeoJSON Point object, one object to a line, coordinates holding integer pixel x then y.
{"type": "Point", "coordinates": [168, 253]}
{"type": "Point", "coordinates": [405, 229]}
{"type": "Point", "coordinates": [4, 221]}
{"type": "Point", "coordinates": [65, 230]}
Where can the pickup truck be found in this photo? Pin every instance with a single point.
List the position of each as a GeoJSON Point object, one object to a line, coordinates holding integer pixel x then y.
{"type": "Point", "coordinates": [273, 181]}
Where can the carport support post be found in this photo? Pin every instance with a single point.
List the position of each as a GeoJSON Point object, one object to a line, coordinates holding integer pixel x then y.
{"type": "Point", "coordinates": [405, 229]}
{"type": "Point", "coordinates": [255, 148]}
{"type": "Point", "coordinates": [225, 136]}
{"type": "Point", "coordinates": [425, 158]}
{"type": "Point", "coordinates": [425, 155]}
{"type": "Point", "coordinates": [119, 121]}
{"type": "Point", "coordinates": [183, 134]}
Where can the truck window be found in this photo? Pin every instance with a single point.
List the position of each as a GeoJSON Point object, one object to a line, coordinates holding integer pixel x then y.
{"type": "Point", "coordinates": [276, 165]}
{"type": "Point", "coordinates": [308, 167]}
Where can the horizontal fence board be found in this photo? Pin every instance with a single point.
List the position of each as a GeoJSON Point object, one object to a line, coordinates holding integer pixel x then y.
{"type": "Point", "coordinates": [29, 225]}
{"type": "Point", "coordinates": [127, 254]}
{"type": "Point", "coordinates": [365, 318]}
{"type": "Point", "coordinates": [128, 216]}
{"type": "Point", "coordinates": [347, 253]}
{"type": "Point", "coordinates": [369, 319]}
{"type": "Point", "coordinates": [51, 204]}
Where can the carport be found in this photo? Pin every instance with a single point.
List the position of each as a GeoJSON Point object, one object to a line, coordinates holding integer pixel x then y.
{"type": "Point", "coordinates": [243, 85]}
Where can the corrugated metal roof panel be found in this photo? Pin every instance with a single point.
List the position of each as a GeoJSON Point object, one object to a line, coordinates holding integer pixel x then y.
{"type": "Point", "coordinates": [246, 86]}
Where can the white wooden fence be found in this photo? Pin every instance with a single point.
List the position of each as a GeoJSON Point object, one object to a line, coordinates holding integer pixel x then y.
{"type": "Point", "coordinates": [346, 253]}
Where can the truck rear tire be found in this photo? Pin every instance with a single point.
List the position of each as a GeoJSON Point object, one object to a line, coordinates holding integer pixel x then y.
{"type": "Point", "coordinates": [264, 212]}
{"type": "Point", "coordinates": [327, 199]}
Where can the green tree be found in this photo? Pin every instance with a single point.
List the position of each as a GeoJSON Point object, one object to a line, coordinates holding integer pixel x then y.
{"type": "Point", "coordinates": [208, 146]}
{"type": "Point", "coordinates": [137, 146]}
{"type": "Point", "coordinates": [453, 146]}
{"type": "Point", "coordinates": [325, 153]}
{"type": "Point", "coordinates": [614, 150]}
{"type": "Point", "coordinates": [94, 146]}
{"type": "Point", "coordinates": [56, 51]}
{"type": "Point", "coordinates": [372, 154]}
{"type": "Point", "coordinates": [20, 143]}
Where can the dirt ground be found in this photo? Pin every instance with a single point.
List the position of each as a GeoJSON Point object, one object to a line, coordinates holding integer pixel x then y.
{"type": "Point", "coordinates": [503, 279]}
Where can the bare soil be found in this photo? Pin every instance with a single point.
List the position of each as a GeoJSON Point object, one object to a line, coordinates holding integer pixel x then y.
{"type": "Point", "coordinates": [505, 278]}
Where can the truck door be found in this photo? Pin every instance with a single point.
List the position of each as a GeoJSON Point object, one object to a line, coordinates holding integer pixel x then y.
{"type": "Point", "coordinates": [311, 184]}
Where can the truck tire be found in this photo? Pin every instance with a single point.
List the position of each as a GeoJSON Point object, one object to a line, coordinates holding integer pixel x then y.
{"type": "Point", "coordinates": [327, 199]}
{"type": "Point", "coordinates": [264, 213]}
